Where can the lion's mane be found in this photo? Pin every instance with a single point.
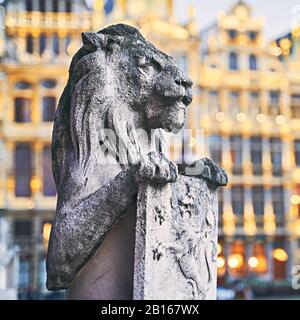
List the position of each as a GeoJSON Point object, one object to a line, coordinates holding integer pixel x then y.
{"type": "Point", "coordinates": [83, 113]}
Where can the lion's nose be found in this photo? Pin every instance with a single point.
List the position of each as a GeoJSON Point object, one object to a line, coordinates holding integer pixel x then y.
{"type": "Point", "coordinates": [187, 99]}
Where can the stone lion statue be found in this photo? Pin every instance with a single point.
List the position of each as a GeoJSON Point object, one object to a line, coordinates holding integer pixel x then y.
{"type": "Point", "coordinates": [118, 83]}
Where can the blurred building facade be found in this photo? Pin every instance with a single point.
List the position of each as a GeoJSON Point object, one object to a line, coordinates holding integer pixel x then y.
{"type": "Point", "coordinates": [249, 108]}
{"type": "Point", "coordinates": [247, 100]}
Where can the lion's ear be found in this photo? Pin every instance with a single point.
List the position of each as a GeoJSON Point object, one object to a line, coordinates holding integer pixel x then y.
{"type": "Point", "coordinates": [93, 40]}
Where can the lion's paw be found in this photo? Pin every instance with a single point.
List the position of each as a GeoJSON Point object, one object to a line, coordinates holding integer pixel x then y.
{"type": "Point", "coordinates": [156, 168]}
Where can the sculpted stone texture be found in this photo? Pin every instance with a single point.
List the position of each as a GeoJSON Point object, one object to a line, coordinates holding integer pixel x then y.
{"type": "Point", "coordinates": [176, 241]}
{"type": "Point", "coordinates": [120, 83]}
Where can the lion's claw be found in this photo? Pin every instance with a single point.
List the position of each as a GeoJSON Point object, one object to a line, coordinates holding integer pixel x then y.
{"type": "Point", "coordinates": [156, 168]}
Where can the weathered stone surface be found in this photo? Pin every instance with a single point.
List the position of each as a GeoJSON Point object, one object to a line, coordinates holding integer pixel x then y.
{"type": "Point", "coordinates": [119, 83]}
{"type": "Point", "coordinates": [176, 240]}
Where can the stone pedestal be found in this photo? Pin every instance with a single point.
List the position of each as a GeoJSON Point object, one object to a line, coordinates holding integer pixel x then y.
{"type": "Point", "coordinates": [176, 241]}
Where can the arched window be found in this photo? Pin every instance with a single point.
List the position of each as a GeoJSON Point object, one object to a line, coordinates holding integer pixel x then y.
{"type": "Point", "coordinates": [49, 83]}
{"type": "Point", "coordinates": [55, 44]}
{"type": "Point", "coordinates": [23, 170]}
{"type": "Point", "coordinates": [42, 5]}
{"type": "Point", "coordinates": [68, 6]}
{"type": "Point", "coordinates": [22, 85]}
{"type": "Point", "coordinates": [233, 61]}
{"type": "Point", "coordinates": [55, 6]}
{"type": "Point", "coordinates": [215, 148]}
{"type": "Point", "coordinates": [252, 62]}
{"type": "Point", "coordinates": [43, 42]}
{"type": "Point", "coordinates": [28, 5]}
{"type": "Point", "coordinates": [48, 108]}
{"type": "Point", "coordinates": [29, 43]}
{"type": "Point", "coordinates": [67, 43]}
{"type": "Point", "coordinates": [22, 109]}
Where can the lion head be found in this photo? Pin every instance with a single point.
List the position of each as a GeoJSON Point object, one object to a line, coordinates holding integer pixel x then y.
{"type": "Point", "coordinates": [119, 81]}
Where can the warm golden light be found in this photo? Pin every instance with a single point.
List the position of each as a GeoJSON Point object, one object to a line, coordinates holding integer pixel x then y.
{"type": "Point", "coordinates": [219, 248]}
{"type": "Point", "coordinates": [260, 118]}
{"type": "Point", "coordinates": [276, 51]}
{"type": "Point", "coordinates": [35, 184]}
{"type": "Point", "coordinates": [253, 262]}
{"type": "Point", "coordinates": [46, 231]}
{"type": "Point", "coordinates": [296, 227]}
{"type": "Point", "coordinates": [220, 262]}
{"type": "Point", "coordinates": [280, 255]}
{"type": "Point", "coordinates": [30, 205]}
{"type": "Point", "coordinates": [280, 119]}
{"type": "Point", "coordinates": [220, 116]}
{"type": "Point", "coordinates": [192, 142]}
{"type": "Point", "coordinates": [285, 43]}
{"type": "Point", "coordinates": [241, 117]}
{"type": "Point", "coordinates": [295, 199]}
{"type": "Point", "coordinates": [296, 32]}
{"type": "Point", "coordinates": [235, 261]}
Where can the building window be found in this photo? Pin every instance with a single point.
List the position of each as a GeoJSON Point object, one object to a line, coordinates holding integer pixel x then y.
{"type": "Point", "coordinates": [22, 85]}
{"type": "Point", "coordinates": [274, 105]}
{"type": "Point", "coordinates": [253, 35]}
{"type": "Point", "coordinates": [42, 275]}
{"type": "Point", "coordinates": [236, 260]}
{"type": "Point", "coordinates": [49, 83]}
{"type": "Point", "coordinates": [28, 5]}
{"type": "Point", "coordinates": [55, 44]}
{"type": "Point", "coordinates": [256, 155]}
{"type": "Point", "coordinates": [234, 103]}
{"type": "Point", "coordinates": [23, 274]}
{"type": "Point", "coordinates": [48, 105]}
{"type": "Point", "coordinates": [22, 110]}
{"type": "Point", "coordinates": [237, 200]}
{"type": "Point", "coordinates": [48, 181]}
{"type": "Point", "coordinates": [215, 148]}
{"type": "Point", "coordinates": [213, 101]}
{"type": "Point", "coordinates": [23, 170]}
{"type": "Point", "coordinates": [22, 228]}
{"type": "Point", "coordinates": [68, 6]}
{"type": "Point", "coordinates": [254, 105]}
{"type": "Point", "coordinates": [278, 203]}
{"type": "Point", "coordinates": [233, 61]}
{"type": "Point", "coordinates": [260, 258]}
{"type": "Point", "coordinates": [236, 151]}
{"type": "Point", "coordinates": [252, 62]}
{"type": "Point", "coordinates": [68, 48]}
{"type": "Point", "coordinates": [29, 43]}
{"type": "Point", "coordinates": [43, 43]}
{"type": "Point", "coordinates": [42, 5]}
{"type": "Point", "coordinates": [55, 4]}
{"type": "Point", "coordinates": [232, 34]}
{"type": "Point", "coordinates": [276, 156]}
{"type": "Point", "coordinates": [258, 200]}
{"type": "Point", "coordinates": [297, 152]}
{"type": "Point", "coordinates": [295, 106]}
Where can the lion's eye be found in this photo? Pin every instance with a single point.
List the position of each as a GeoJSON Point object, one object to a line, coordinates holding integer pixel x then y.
{"type": "Point", "coordinates": [143, 61]}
